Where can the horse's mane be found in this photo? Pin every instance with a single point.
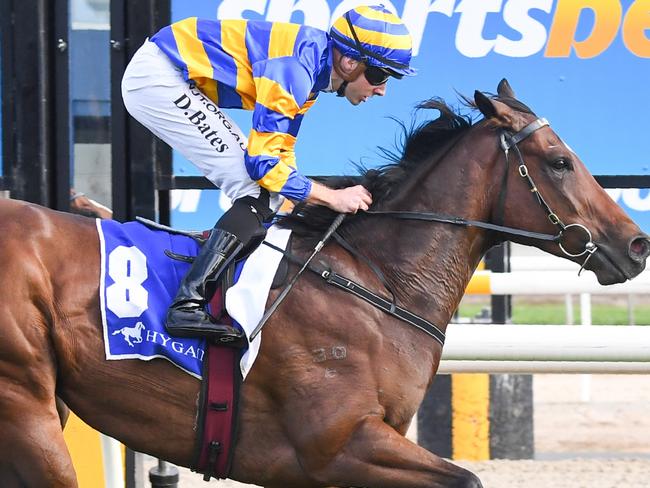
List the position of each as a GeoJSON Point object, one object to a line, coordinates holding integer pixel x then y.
{"type": "Point", "coordinates": [417, 144]}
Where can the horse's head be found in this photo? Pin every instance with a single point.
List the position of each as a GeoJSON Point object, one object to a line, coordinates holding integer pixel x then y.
{"type": "Point", "coordinates": [549, 190]}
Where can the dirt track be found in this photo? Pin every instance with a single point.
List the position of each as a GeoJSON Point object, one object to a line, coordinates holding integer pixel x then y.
{"type": "Point", "coordinates": [578, 473]}
{"type": "Point", "coordinates": [601, 444]}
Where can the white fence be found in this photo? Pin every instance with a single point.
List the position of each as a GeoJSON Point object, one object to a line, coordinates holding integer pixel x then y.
{"type": "Point", "coordinates": [552, 283]}
{"type": "Point", "coordinates": [548, 348]}
{"type": "Point", "coordinates": [496, 348]}
{"type": "Point", "coordinates": [491, 348]}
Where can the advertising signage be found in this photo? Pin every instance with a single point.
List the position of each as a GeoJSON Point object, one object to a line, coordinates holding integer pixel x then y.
{"type": "Point", "coordinates": [582, 64]}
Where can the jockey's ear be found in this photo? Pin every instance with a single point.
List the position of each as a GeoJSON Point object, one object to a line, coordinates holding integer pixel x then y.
{"type": "Point", "coordinates": [348, 65]}
{"type": "Point", "coordinates": [500, 113]}
{"type": "Point", "coordinates": [345, 66]}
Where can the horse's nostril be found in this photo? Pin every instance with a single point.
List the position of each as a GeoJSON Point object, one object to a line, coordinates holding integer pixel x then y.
{"type": "Point", "coordinates": [640, 248]}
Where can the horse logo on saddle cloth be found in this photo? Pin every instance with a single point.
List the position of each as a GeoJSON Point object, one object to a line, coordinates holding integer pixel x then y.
{"type": "Point", "coordinates": [141, 269]}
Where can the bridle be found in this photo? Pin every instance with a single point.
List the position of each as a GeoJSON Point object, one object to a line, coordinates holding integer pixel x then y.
{"type": "Point", "coordinates": [511, 141]}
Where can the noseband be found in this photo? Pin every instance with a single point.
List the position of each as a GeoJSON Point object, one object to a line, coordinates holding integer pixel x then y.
{"type": "Point", "coordinates": [510, 141]}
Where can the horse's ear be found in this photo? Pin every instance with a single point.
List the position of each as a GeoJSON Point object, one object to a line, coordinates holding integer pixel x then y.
{"type": "Point", "coordinates": [493, 109]}
{"type": "Point", "coordinates": [484, 104]}
{"type": "Point", "coordinates": [504, 89]}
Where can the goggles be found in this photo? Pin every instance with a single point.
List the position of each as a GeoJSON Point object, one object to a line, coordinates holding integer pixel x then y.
{"type": "Point", "coordinates": [377, 76]}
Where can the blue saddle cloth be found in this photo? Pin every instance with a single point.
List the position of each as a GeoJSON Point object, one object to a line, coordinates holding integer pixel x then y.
{"type": "Point", "coordinates": [138, 283]}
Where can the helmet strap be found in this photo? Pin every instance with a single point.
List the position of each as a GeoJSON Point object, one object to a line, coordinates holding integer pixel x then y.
{"type": "Point", "coordinates": [341, 90]}
{"type": "Point", "coordinates": [364, 58]}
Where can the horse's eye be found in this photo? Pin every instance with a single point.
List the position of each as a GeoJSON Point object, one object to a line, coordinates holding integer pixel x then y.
{"type": "Point", "coordinates": [561, 164]}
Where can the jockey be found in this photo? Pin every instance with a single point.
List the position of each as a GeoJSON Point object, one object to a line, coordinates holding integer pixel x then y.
{"type": "Point", "coordinates": [178, 82]}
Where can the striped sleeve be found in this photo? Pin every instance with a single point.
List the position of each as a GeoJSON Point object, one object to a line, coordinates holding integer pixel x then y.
{"type": "Point", "coordinates": [283, 88]}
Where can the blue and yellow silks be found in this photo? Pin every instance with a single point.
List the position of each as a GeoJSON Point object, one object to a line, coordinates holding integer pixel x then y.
{"type": "Point", "coordinates": [274, 69]}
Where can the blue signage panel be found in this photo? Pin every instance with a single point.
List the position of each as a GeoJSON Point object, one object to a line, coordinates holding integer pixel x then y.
{"type": "Point", "coordinates": [582, 64]}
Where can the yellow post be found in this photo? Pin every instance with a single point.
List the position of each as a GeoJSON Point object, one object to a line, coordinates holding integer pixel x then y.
{"type": "Point", "coordinates": [480, 284]}
{"type": "Point", "coordinates": [470, 402]}
{"type": "Point", "coordinates": [85, 448]}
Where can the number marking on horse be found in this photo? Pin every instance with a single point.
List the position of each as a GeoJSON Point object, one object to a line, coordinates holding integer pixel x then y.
{"type": "Point", "coordinates": [335, 353]}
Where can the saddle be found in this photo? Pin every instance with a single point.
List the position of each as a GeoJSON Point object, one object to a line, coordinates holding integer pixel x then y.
{"type": "Point", "coordinates": [227, 279]}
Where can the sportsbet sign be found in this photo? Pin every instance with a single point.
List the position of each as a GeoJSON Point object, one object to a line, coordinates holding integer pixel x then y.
{"type": "Point", "coordinates": [530, 26]}
{"type": "Point", "coordinates": [582, 64]}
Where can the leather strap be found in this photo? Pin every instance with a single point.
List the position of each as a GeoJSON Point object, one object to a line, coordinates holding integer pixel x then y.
{"type": "Point", "coordinates": [350, 286]}
{"type": "Point", "coordinates": [341, 91]}
{"type": "Point", "coordinates": [387, 306]}
{"type": "Point", "coordinates": [444, 219]}
{"type": "Point", "coordinates": [512, 140]}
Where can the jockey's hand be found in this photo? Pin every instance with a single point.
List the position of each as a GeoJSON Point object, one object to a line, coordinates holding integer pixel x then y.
{"type": "Point", "coordinates": [351, 199]}
{"type": "Point", "coordinates": [82, 205]}
{"type": "Point", "coordinates": [345, 200]}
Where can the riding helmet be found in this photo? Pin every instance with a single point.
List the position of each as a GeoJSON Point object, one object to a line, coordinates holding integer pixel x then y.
{"type": "Point", "coordinates": [375, 36]}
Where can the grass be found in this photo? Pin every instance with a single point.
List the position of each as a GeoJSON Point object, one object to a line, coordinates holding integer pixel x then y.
{"type": "Point", "coordinates": [553, 312]}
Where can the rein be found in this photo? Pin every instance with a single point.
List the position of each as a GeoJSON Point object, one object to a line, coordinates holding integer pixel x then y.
{"type": "Point", "coordinates": [508, 141]}
{"type": "Point", "coordinates": [444, 219]}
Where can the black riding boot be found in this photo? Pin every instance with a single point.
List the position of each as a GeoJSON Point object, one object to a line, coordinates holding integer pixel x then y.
{"type": "Point", "coordinates": [187, 316]}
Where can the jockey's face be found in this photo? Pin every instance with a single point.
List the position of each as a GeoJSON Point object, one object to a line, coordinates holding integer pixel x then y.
{"type": "Point", "coordinates": [359, 90]}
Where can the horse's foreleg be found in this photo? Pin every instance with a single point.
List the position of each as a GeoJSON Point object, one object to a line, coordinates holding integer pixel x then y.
{"type": "Point", "coordinates": [377, 456]}
{"type": "Point", "coordinates": [32, 450]}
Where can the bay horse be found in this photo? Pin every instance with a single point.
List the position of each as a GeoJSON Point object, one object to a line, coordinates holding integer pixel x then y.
{"type": "Point", "coordinates": [308, 418]}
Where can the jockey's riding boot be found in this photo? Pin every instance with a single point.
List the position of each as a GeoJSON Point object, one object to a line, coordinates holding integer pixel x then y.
{"type": "Point", "coordinates": [187, 316]}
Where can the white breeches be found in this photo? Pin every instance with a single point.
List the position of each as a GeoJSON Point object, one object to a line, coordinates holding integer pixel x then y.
{"type": "Point", "coordinates": [176, 111]}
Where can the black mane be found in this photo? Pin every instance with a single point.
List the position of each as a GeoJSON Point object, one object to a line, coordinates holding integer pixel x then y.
{"type": "Point", "coordinates": [416, 145]}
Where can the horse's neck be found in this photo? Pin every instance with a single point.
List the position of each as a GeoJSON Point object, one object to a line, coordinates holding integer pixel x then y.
{"type": "Point", "coordinates": [429, 265]}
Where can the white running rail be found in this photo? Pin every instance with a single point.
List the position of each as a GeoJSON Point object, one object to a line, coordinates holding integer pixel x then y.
{"type": "Point", "coordinates": [496, 348]}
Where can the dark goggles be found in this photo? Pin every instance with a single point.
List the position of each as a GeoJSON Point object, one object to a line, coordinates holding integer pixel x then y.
{"type": "Point", "coordinates": [377, 76]}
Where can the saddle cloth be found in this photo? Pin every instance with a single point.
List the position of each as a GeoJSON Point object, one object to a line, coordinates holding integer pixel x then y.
{"type": "Point", "coordinates": [138, 282]}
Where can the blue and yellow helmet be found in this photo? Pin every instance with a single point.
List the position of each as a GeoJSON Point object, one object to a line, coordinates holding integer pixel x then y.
{"type": "Point", "coordinates": [376, 37]}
